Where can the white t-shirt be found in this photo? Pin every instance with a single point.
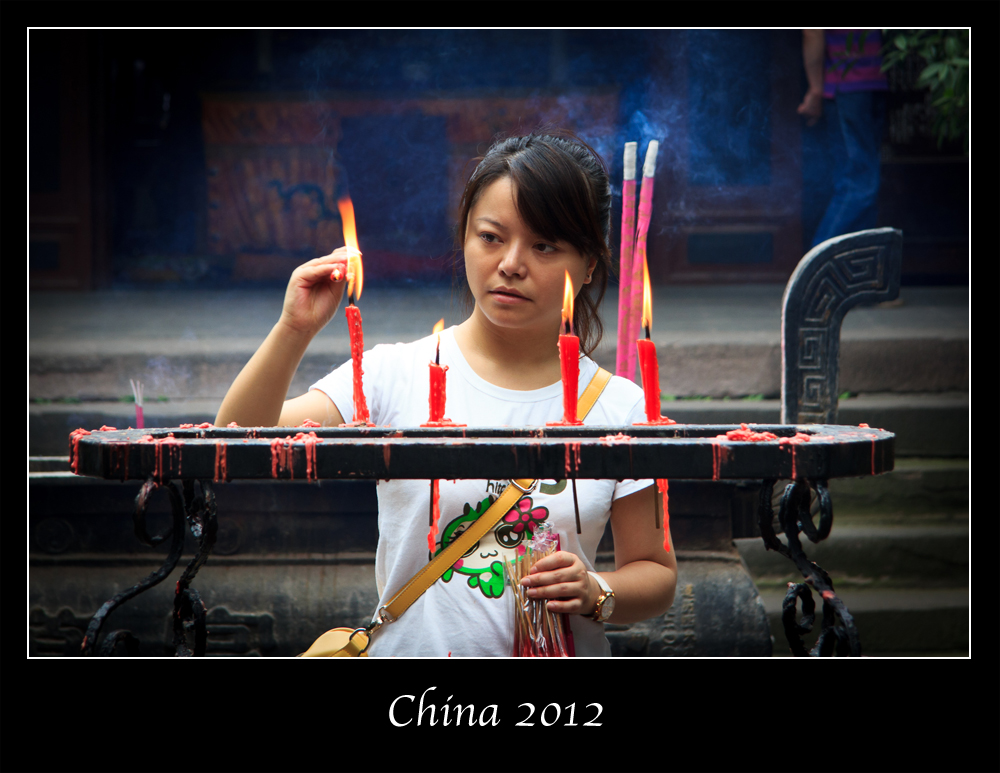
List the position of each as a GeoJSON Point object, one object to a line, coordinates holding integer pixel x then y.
{"type": "Point", "coordinates": [468, 611]}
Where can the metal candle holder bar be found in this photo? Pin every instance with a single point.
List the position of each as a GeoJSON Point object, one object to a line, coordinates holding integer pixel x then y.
{"type": "Point", "coordinates": [172, 458]}
{"type": "Point", "coordinates": [682, 451]}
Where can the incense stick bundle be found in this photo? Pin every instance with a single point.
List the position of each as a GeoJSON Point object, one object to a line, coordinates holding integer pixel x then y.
{"type": "Point", "coordinates": [538, 633]}
{"type": "Point", "coordinates": [639, 252]}
{"type": "Point", "coordinates": [625, 265]}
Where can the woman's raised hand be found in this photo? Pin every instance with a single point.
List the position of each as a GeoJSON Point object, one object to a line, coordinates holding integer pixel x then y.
{"type": "Point", "coordinates": [312, 297]}
{"type": "Point", "coordinates": [562, 579]}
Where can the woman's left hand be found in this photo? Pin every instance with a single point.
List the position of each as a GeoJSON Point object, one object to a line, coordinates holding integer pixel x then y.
{"type": "Point", "coordinates": [562, 579]}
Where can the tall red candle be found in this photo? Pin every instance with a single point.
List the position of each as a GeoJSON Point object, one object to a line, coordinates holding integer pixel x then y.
{"type": "Point", "coordinates": [650, 369]}
{"type": "Point", "coordinates": [569, 362]}
{"type": "Point", "coordinates": [357, 350]}
{"type": "Point", "coordinates": [649, 366]}
{"type": "Point", "coordinates": [569, 359]}
{"type": "Point", "coordinates": [355, 283]}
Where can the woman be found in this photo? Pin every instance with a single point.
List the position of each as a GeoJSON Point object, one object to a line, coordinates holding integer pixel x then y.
{"type": "Point", "coordinates": [535, 208]}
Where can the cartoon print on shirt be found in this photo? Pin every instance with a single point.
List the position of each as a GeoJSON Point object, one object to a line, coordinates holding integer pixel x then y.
{"type": "Point", "coordinates": [483, 562]}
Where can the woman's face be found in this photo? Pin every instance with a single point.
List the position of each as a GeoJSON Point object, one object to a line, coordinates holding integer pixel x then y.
{"type": "Point", "coordinates": [516, 276]}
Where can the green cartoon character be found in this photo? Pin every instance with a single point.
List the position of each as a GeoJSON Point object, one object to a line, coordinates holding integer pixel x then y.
{"type": "Point", "coordinates": [483, 562]}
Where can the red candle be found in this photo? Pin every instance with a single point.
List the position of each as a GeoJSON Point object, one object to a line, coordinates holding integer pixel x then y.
{"type": "Point", "coordinates": [355, 282]}
{"type": "Point", "coordinates": [438, 380]}
{"type": "Point", "coordinates": [438, 384]}
{"type": "Point", "coordinates": [357, 350]}
{"type": "Point", "coordinates": [569, 359]}
{"type": "Point", "coordinates": [649, 366]}
{"type": "Point", "coordinates": [437, 396]}
{"type": "Point", "coordinates": [569, 356]}
{"type": "Point", "coordinates": [650, 369]}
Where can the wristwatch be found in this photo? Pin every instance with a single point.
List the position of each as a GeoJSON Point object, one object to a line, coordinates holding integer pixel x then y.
{"type": "Point", "coordinates": [605, 602]}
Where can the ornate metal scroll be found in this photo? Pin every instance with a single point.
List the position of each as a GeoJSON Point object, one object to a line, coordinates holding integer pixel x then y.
{"type": "Point", "coordinates": [176, 535]}
{"type": "Point", "coordinates": [794, 516]}
{"type": "Point", "coordinates": [831, 279]}
{"type": "Point", "coordinates": [189, 610]}
{"type": "Point", "coordinates": [199, 512]}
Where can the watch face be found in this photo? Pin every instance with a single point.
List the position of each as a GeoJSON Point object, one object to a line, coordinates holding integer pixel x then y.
{"type": "Point", "coordinates": [607, 607]}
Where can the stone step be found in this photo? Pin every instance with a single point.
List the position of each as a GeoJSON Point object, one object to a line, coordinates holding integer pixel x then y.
{"type": "Point", "coordinates": [698, 366]}
{"type": "Point", "coordinates": [917, 622]}
{"type": "Point", "coordinates": [865, 553]}
{"type": "Point", "coordinates": [905, 581]}
{"type": "Point", "coordinates": [713, 341]}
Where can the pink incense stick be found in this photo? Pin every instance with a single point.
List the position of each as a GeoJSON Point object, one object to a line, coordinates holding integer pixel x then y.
{"type": "Point", "coordinates": [625, 269]}
{"type": "Point", "coordinates": [137, 393]}
{"type": "Point", "coordinates": [639, 254]}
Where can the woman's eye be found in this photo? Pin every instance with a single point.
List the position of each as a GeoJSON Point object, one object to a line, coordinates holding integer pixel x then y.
{"type": "Point", "coordinates": [545, 248]}
{"type": "Point", "coordinates": [488, 238]}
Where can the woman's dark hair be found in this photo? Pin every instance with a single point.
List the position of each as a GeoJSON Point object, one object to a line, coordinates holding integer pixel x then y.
{"type": "Point", "coordinates": [563, 193]}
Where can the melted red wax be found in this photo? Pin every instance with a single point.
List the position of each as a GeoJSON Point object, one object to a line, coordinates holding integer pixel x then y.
{"type": "Point", "coordinates": [664, 485]}
{"type": "Point", "coordinates": [572, 452]}
{"type": "Point", "coordinates": [435, 515]}
{"type": "Point", "coordinates": [828, 595]}
{"type": "Point", "coordinates": [310, 423]}
{"type": "Point", "coordinates": [120, 456]}
{"type": "Point", "coordinates": [173, 453]}
{"type": "Point", "coordinates": [357, 334]}
{"type": "Point", "coordinates": [621, 437]}
{"type": "Point", "coordinates": [310, 439]}
{"type": "Point", "coordinates": [106, 428]}
{"type": "Point", "coordinates": [791, 442]}
{"type": "Point", "coordinates": [74, 446]}
{"type": "Point", "coordinates": [220, 462]}
{"type": "Point", "coordinates": [281, 454]}
{"type": "Point", "coordinates": [746, 434]}
{"type": "Point", "coordinates": [232, 425]}
{"type": "Point", "coordinates": [386, 453]}
{"type": "Point", "coordinates": [203, 425]}
{"type": "Point", "coordinates": [719, 454]}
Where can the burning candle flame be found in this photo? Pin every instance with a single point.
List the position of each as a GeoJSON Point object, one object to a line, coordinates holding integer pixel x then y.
{"type": "Point", "coordinates": [355, 271]}
{"type": "Point", "coordinates": [567, 309]}
{"type": "Point", "coordinates": [647, 299]}
{"type": "Point", "coordinates": [437, 331]}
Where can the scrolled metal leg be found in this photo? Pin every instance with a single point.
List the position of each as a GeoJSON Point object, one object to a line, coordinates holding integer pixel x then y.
{"type": "Point", "coordinates": [189, 610]}
{"type": "Point", "coordinates": [176, 534]}
{"type": "Point", "coordinates": [795, 630]}
{"type": "Point", "coordinates": [794, 516]}
{"type": "Point", "coordinates": [817, 535]}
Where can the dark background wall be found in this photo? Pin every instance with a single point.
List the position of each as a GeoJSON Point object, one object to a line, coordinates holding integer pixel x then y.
{"type": "Point", "coordinates": [173, 157]}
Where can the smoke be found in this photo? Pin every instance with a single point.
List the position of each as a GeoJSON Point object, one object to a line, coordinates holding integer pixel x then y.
{"type": "Point", "coordinates": [704, 95]}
